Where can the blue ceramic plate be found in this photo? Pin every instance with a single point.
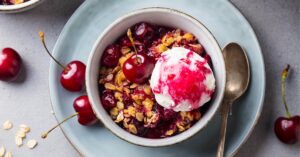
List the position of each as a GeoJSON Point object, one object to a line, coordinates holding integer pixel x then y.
{"type": "Point", "coordinates": [222, 19]}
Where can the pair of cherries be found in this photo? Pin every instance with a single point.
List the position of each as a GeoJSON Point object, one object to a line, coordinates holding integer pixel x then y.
{"type": "Point", "coordinates": [72, 79]}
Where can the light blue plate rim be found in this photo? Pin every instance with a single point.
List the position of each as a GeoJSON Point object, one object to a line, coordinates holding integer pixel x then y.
{"type": "Point", "coordinates": [64, 37]}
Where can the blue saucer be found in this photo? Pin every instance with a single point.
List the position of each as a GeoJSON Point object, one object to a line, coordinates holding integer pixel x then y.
{"type": "Point", "coordinates": [222, 19]}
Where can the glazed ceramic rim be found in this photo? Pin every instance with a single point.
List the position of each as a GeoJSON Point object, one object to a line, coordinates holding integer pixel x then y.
{"type": "Point", "coordinates": [19, 7]}
{"type": "Point", "coordinates": [141, 141]}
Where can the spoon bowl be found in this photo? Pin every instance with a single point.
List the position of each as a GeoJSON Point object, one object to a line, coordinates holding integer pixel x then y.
{"type": "Point", "coordinates": [237, 69]}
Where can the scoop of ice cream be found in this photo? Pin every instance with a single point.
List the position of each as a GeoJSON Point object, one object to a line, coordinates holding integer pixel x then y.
{"type": "Point", "coordinates": [182, 80]}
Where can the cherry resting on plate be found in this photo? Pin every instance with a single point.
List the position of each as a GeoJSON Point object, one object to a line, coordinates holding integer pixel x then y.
{"type": "Point", "coordinates": [287, 129]}
{"type": "Point", "coordinates": [138, 67]}
{"type": "Point", "coordinates": [10, 64]}
{"type": "Point", "coordinates": [84, 112]}
{"type": "Point", "coordinates": [73, 75]}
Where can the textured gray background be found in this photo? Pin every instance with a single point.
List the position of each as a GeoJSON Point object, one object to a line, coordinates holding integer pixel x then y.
{"type": "Point", "coordinates": [276, 22]}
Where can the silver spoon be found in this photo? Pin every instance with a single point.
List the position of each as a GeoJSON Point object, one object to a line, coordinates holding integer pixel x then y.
{"type": "Point", "coordinates": [238, 76]}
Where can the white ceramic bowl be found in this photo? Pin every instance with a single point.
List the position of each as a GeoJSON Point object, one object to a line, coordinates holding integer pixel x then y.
{"type": "Point", "coordinates": [165, 17]}
{"type": "Point", "coordinates": [19, 7]}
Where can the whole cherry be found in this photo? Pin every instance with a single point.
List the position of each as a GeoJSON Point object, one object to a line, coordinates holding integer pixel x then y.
{"type": "Point", "coordinates": [10, 64]}
{"type": "Point", "coordinates": [138, 67]}
{"type": "Point", "coordinates": [84, 112]}
{"type": "Point", "coordinates": [124, 41]}
{"type": "Point", "coordinates": [111, 55]}
{"type": "Point", "coordinates": [143, 31]}
{"type": "Point", "coordinates": [108, 100]}
{"type": "Point", "coordinates": [287, 129]}
{"type": "Point", "coordinates": [73, 74]}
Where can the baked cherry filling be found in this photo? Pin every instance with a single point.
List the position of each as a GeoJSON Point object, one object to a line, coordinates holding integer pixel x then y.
{"type": "Point", "coordinates": [124, 81]}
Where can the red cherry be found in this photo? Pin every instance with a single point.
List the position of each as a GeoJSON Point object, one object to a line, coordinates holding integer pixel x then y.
{"type": "Point", "coordinates": [85, 112]}
{"type": "Point", "coordinates": [138, 68]}
{"type": "Point", "coordinates": [124, 41]}
{"type": "Point", "coordinates": [108, 100]}
{"type": "Point", "coordinates": [7, 2]}
{"type": "Point", "coordinates": [111, 55]}
{"type": "Point", "coordinates": [10, 64]}
{"type": "Point", "coordinates": [288, 129]}
{"type": "Point", "coordinates": [143, 31]}
{"type": "Point", "coordinates": [73, 76]}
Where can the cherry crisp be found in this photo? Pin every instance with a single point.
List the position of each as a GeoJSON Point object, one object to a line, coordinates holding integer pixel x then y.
{"type": "Point", "coordinates": [132, 106]}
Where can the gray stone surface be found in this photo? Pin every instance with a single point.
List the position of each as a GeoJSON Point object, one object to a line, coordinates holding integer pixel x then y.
{"type": "Point", "coordinates": [276, 22]}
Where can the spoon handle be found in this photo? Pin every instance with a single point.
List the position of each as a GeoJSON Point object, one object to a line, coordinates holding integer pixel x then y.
{"type": "Point", "coordinates": [224, 113]}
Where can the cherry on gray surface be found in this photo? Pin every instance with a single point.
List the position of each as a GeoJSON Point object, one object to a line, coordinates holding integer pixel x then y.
{"type": "Point", "coordinates": [276, 23]}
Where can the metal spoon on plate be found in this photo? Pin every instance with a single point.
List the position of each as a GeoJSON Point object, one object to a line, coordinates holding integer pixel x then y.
{"type": "Point", "coordinates": [238, 77]}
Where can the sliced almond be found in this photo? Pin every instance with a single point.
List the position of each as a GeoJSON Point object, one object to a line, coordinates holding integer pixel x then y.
{"type": "Point", "coordinates": [24, 128]}
{"type": "Point", "coordinates": [7, 125]}
{"type": "Point", "coordinates": [8, 154]}
{"type": "Point", "coordinates": [2, 151]}
{"type": "Point", "coordinates": [31, 144]}
{"type": "Point", "coordinates": [19, 141]}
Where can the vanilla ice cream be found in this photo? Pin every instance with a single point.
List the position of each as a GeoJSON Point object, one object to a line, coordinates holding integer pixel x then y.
{"type": "Point", "coordinates": [182, 80]}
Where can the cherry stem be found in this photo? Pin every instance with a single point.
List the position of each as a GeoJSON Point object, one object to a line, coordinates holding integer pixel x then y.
{"type": "Point", "coordinates": [283, 78]}
{"type": "Point", "coordinates": [45, 134]}
{"type": "Point", "coordinates": [129, 34]}
{"type": "Point", "coordinates": [42, 37]}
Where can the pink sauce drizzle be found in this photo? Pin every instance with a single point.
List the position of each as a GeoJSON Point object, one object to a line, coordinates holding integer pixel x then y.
{"type": "Point", "coordinates": [187, 85]}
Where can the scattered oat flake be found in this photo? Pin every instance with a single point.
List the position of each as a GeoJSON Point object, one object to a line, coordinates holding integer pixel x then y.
{"type": "Point", "coordinates": [21, 134]}
{"type": "Point", "coordinates": [19, 141]}
{"type": "Point", "coordinates": [8, 154]}
{"type": "Point", "coordinates": [7, 125]}
{"type": "Point", "coordinates": [31, 144]}
{"type": "Point", "coordinates": [24, 128]}
{"type": "Point", "coordinates": [2, 151]}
